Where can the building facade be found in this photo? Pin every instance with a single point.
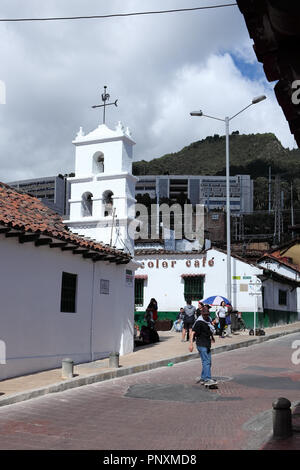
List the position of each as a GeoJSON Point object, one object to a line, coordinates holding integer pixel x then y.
{"type": "Point", "coordinates": [173, 277]}
{"type": "Point", "coordinates": [51, 190]}
{"type": "Point", "coordinates": [59, 292]}
{"type": "Point", "coordinates": [102, 199]}
{"type": "Point", "coordinates": [207, 190]}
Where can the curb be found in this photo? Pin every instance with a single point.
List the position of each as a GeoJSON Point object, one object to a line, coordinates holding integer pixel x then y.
{"type": "Point", "coordinates": [122, 372]}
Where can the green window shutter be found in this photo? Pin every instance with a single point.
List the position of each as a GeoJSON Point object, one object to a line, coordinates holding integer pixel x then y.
{"type": "Point", "coordinates": [139, 292]}
{"type": "Point", "coordinates": [193, 288]}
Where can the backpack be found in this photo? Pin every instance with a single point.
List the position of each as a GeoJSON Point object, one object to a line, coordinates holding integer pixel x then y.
{"type": "Point", "coordinates": [154, 336]}
{"type": "Point", "coordinates": [145, 334]}
{"type": "Point", "coordinates": [149, 335]}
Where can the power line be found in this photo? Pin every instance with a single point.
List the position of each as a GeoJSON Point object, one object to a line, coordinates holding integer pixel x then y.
{"type": "Point", "coordinates": [116, 15]}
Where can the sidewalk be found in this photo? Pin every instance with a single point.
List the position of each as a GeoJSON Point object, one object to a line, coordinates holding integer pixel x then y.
{"type": "Point", "coordinates": [169, 350]}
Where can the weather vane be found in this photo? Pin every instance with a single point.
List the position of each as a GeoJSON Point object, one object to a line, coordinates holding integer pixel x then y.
{"type": "Point", "coordinates": [105, 97]}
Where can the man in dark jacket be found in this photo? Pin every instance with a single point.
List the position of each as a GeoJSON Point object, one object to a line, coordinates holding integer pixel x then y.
{"type": "Point", "coordinates": [203, 332]}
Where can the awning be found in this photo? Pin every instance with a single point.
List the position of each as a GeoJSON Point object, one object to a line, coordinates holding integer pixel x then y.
{"type": "Point", "coordinates": [192, 275]}
{"type": "Point", "coordinates": [141, 276]}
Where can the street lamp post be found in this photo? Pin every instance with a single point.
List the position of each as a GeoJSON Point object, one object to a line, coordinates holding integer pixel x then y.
{"type": "Point", "coordinates": [227, 120]}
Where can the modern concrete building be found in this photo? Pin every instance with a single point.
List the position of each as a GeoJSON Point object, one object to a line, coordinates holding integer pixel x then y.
{"type": "Point", "coordinates": [51, 190]}
{"type": "Point", "coordinates": [207, 190]}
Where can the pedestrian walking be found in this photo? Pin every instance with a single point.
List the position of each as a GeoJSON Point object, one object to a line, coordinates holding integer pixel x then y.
{"type": "Point", "coordinates": [203, 331]}
{"type": "Point", "coordinates": [221, 314]}
{"type": "Point", "coordinates": [189, 319]}
{"type": "Point", "coordinates": [151, 313]}
{"type": "Point", "coordinates": [228, 321]}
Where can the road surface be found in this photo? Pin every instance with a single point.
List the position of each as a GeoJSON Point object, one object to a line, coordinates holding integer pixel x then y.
{"type": "Point", "coordinates": [163, 408]}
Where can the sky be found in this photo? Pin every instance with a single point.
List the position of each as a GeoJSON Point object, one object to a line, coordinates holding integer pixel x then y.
{"type": "Point", "coordinates": [158, 67]}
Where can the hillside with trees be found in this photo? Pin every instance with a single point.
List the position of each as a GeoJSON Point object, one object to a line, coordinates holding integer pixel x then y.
{"type": "Point", "coordinates": [251, 154]}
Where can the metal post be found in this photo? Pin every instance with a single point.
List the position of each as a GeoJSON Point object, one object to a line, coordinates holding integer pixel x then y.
{"type": "Point", "coordinates": [228, 212]}
{"type": "Point", "coordinates": [67, 368]}
{"type": "Point", "coordinates": [269, 189]}
{"type": "Point", "coordinates": [282, 418]}
{"type": "Point", "coordinates": [255, 308]}
{"type": "Point", "coordinates": [114, 359]}
{"type": "Point", "coordinates": [292, 209]}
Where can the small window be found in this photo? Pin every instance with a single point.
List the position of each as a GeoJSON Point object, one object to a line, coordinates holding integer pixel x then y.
{"type": "Point", "coordinates": [139, 292]}
{"type": "Point", "coordinates": [282, 297]}
{"type": "Point", "coordinates": [68, 293]}
{"type": "Point", "coordinates": [193, 288]}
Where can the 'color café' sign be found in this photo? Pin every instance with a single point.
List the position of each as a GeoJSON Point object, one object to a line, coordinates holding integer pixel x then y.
{"type": "Point", "coordinates": [170, 264]}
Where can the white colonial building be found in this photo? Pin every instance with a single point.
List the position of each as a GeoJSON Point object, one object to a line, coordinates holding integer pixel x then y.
{"type": "Point", "coordinates": [69, 292]}
{"type": "Point", "coordinates": [172, 277]}
{"type": "Point", "coordinates": [102, 202]}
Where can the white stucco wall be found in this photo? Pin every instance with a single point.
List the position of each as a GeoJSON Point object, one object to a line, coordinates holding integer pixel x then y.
{"type": "Point", "coordinates": [281, 269]}
{"type": "Point", "coordinates": [36, 334]}
{"type": "Point", "coordinates": [167, 286]}
{"type": "Point", "coordinates": [115, 147]}
{"type": "Point", "coordinates": [271, 295]}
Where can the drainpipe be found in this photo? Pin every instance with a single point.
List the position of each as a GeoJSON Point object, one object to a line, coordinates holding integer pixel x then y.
{"type": "Point", "coordinates": [92, 314]}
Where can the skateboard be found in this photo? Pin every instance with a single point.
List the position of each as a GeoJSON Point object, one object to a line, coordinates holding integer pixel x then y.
{"type": "Point", "coordinates": [211, 386]}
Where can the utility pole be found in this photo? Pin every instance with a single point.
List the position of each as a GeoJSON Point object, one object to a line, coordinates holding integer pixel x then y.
{"type": "Point", "coordinates": [277, 211]}
{"type": "Point", "coordinates": [292, 209]}
{"type": "Point", "coordinates": [269, 189]}
{"type": "Point", "coordinates": [112, 226]}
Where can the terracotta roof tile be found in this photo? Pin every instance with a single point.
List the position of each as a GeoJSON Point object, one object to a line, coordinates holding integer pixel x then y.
{"type": "Point", "coordinates": [28, 214]}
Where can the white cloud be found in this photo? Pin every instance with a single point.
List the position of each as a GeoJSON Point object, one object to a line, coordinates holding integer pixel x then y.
{"type": "Point", "coordinates": [159, 67]}
{"type": "Point", "coordinates": [219, 89]}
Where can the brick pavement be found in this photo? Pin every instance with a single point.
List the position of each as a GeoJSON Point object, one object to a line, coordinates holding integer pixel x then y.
{"type": "Point", "coordinates": [169, 349]}
{"type": "Point", "coordinates": [101, 416]}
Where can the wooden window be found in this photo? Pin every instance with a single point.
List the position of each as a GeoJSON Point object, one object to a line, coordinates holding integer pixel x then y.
{"type": "Point", "coordinates": [282, 297]}
{"type": "Point", "coordinates": [139, 292]}
{"type": "Point", "coordinates": [193, 288]}
{"type": "Point", "coordinates": [68, 293]}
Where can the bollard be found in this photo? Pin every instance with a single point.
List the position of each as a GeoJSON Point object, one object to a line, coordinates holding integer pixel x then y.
{"type": "Point", "coordinates": [282, 418]}
{"type": "Point", "coordinates": [67, 368]}
{"type": "Point", "coordinates": [114, 359]}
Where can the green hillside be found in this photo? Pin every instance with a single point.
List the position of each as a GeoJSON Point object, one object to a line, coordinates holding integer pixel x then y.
{"type": "Point", "coordinates": [251, 154]}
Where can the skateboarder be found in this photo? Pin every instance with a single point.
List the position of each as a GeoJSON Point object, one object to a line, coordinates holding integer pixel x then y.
{"type": "Point", "coordinates": [203, 331]}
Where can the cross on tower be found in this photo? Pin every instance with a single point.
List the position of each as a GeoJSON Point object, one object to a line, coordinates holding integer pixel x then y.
{"type": "Point", "coordinates": [105, 97]}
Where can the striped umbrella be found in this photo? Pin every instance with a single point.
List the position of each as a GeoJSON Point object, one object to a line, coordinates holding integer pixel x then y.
{"type": "Point", "coordinates": [215, 300]}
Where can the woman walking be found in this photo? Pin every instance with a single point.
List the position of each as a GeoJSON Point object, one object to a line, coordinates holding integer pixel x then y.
{"type": "Point", "coordinates": [221, 314]}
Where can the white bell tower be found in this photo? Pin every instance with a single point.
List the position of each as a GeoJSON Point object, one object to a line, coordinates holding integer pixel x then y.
{"type": "Point", "coordinates": [102, 193]}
